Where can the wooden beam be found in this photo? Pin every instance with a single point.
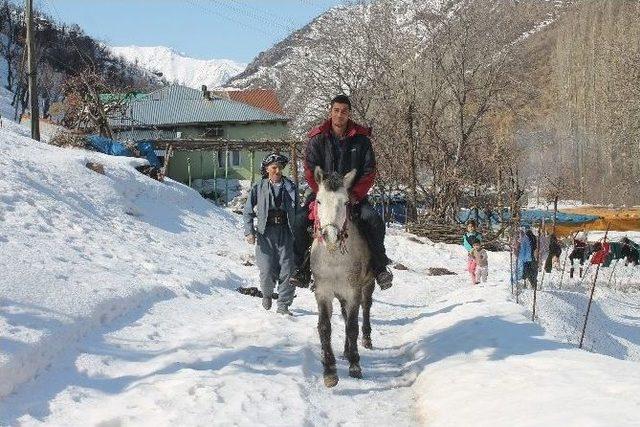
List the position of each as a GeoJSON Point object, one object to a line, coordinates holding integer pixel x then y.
{"type": "Point", "coordinates": [218, 144]}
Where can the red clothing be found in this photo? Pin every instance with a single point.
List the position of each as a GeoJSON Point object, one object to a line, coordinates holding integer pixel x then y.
{"type": "Point", "coordinates": [601, 255]}
{"type": "Point", "coordinates": [358, 154]}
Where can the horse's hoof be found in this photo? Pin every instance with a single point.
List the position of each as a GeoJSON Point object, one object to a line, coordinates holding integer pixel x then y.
{"type": "Point", "coordinates": [366, 342]}
{"type": "Point", "coordinates": [330, 380]}
{"type": "Point", "coordinates": [355, 371]}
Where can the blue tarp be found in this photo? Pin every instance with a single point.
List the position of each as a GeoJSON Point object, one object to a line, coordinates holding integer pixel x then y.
{"type": "Point", "coordinates": [396, 210]}
{"type": "Point", "coordinates": [528, 217]}
{"type": "Point", "coordinates": [117, 148]}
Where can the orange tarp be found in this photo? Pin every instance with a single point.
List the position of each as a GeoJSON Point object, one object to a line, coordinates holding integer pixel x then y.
{"type": "Point", "coordinates": [623, 219]}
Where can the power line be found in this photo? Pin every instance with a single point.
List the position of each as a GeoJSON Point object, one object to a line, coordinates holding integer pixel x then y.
{"type": "Point", "coordinates": [230, 18]}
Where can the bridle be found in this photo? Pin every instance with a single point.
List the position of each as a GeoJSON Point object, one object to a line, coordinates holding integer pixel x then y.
{"type": "Point", "coordinates": [343, 232]}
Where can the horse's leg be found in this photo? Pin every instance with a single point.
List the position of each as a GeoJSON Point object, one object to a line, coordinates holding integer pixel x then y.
{"type": "Point", "coordinates": [344, 317]}
{"type": "Point", "coordinates": [367, 301]}
{"type": "Point", "coordinates": [324, 330]}
{"type": "Point", "coordinates": [353, 309]}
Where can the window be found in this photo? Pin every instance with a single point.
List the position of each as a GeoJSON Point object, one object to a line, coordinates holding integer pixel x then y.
{"type": "Point", "coordinates": [214, 132]}
{"type": "Point", "coordinates": [234, 158]}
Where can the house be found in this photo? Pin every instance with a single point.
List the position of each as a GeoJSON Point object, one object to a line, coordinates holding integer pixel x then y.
{"type": "Point", "coordinates": [181, 114]}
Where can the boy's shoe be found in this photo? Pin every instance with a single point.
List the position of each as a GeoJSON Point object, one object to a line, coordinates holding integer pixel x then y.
{"type": "Point", "coordinates": [266, 303]}
{"type": "Point", "coordinates": [301, 278]}
{"type": "Point", "coordinates": [284, 311]}
{"type": "Point", "coordinates": [384, 279]}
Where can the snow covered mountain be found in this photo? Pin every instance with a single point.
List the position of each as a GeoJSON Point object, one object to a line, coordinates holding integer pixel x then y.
{"type": "Point", "coordinates": [302, 83]}
{"type": "Point", "coordinates": [176, 67]}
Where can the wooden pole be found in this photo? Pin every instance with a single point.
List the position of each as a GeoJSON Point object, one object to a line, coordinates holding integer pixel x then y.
{"type": "Point", "coordinates": [167, 156]}
{"type": "Point", "coordinates": [593, 288]}
{"type": "Point", "coordinates": [33, 82]}
{"type": "Point", "coordinates": [252, 156]}
{"type": "Point", "coordinates": [202, 167]}
{"type": "Point", "coordinates": [226, 176]}
{"type": "Point", "coordinates": [189, 169]}
{"type": "Point", "coordinates": [215, 173]}
{"type": "Point", "coordinates": [294, 162]}
{"type": "Point", "coordinates": [566, 258]}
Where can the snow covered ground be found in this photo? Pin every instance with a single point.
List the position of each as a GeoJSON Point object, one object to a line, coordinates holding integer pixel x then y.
{"type": "Point", "coordinates": [118, 307]}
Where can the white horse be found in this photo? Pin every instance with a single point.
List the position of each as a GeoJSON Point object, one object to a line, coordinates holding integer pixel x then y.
{"type": "Point", "coordinates": [340, 266]}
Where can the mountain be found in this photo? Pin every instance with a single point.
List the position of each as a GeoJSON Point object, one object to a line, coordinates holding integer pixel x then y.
{"type": "Point", "coordinates": [176, 67]}
{"type": "Point", "coordinates": [316, 60]}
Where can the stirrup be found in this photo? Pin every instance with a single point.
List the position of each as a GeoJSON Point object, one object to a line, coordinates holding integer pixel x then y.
{"type": "Point", "coordinates": [301, 278]}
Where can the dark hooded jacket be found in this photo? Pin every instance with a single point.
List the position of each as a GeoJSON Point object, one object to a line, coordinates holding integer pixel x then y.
{"type": "Point", "coordinates": [353, 151]}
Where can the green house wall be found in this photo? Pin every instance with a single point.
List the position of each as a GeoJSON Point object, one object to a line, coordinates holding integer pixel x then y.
{"type": "Point", "coordinates": [203, 164]}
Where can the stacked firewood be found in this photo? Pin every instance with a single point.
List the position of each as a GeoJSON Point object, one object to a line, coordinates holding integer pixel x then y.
{"type": "Point", "coordinates": [439, 232]}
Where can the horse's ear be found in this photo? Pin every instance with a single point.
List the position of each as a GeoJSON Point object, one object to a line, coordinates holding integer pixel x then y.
{"type": "Point", "coordinates": [318, 174]}
{"type": "Point", "coordinates": [348, 179]}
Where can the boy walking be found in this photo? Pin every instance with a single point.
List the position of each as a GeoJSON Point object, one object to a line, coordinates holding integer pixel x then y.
{"type": "Point", "coordinates": [273, 202]}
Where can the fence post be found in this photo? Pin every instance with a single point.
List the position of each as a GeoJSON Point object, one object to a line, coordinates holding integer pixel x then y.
{"type": "Point", "coordinates": [189, 169]}
{"type": "Point", "coordinates": [593, 288]}
{"type": "Point", "coordinates": [226, 176]}
{"type": "Point", "coordinates": [252, 157]}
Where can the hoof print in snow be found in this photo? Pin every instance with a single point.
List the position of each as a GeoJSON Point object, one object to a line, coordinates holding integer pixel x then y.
{"type": "Point", "coordinates": [399, 266]}
{"type": "Point", "coordinates": [439, 271]}
{"type": "Point", "coordinates": [96, 167]}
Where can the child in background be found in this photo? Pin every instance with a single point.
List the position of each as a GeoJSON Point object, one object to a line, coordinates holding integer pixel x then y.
{"type": "Point", "coordinates": [482, 262]}
{"type": "Point", "coordinates": [468, 239]}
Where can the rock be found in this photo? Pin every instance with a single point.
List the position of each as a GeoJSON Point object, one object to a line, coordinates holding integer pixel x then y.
{"type": "Point", "coordinates": [399, 266]}
{"type": "Point", "coordinates": [96, 167]}
{"type": "Point", "coordinates": [439, 271]}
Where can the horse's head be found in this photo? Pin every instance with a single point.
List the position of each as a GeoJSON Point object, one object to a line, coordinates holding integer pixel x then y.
{"type": "Point", "coordinates": [333, 205]}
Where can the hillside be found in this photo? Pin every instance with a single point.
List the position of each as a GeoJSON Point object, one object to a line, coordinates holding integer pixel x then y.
{"type": "Point", "coordinates": [118, 307]}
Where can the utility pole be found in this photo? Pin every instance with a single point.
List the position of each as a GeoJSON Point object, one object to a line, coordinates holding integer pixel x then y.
{"type": "Point", "coordinates": [33, 84]}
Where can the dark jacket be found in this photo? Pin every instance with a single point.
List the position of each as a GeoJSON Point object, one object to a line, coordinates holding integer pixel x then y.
{"type": "Point", "coordinates": [354, 152]}
{"type": "Point", "coordinates": [260, 201]}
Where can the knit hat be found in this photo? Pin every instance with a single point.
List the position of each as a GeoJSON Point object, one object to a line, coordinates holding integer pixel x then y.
{"type": "Point", "coordinates": [272, 158]}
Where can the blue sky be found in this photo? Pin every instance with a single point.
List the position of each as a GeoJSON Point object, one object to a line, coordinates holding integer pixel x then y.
{"type": "Point", "coordinates": [232, 29]}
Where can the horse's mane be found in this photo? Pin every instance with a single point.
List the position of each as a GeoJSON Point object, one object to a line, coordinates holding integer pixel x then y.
{"type": "Point", "coordinates": [333, 181]}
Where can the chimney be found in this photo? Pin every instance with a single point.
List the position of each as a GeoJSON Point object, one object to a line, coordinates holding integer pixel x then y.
{"type": "Point", "coordinates": [205, 93]}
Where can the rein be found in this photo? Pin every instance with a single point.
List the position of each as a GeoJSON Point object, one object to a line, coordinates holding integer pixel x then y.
{"type": "Point", "coordinates": [343, 234]}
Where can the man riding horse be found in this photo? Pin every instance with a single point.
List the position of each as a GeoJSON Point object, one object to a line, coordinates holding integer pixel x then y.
{"type": "Point", "coordinates": [340, 145]}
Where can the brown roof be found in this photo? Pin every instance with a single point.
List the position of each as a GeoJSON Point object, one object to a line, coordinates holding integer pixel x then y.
{"type": "Point", "coordinates": [265, 99]}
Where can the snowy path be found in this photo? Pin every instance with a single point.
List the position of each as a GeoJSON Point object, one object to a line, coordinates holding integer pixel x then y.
{"type": "Point", "coordinates": [444, 353]}
{"type": "Point", "coordinates": [212, 354]}
{"type": "Point", "coordinates": [117, 308]}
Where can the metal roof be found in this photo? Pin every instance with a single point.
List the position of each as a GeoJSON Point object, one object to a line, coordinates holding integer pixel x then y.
{"type": "Point", "coordinates": [176, 105]}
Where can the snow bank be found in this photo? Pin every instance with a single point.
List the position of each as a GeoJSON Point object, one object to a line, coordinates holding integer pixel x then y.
{"type": "Point", "coordinates": [79, 248]}
{"type": "Point", "coordinates": [482, 363]}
